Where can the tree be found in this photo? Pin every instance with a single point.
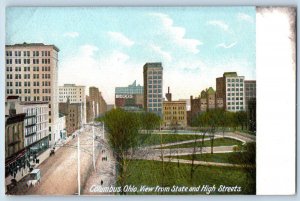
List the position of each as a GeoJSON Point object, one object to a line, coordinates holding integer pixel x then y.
{"type": "Point", "coordinates": [123, 133]}
{"type": "Point", "coordinates": [241, 118]}
{"type": "Point", "coordinates": [247, 158]}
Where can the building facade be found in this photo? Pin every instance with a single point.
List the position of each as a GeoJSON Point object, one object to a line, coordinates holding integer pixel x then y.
{"type": "Point", "coordinates": [230, 88]}
{"type": "Point", "coordinates": [174, 114]}
{"type": "Point", "coordinates": [73, 116]}
{"type": "Point", "coordinates": [32, 74]}
{"type": "Point", "coordinates": [153, 83]}
{"type": "Point", "coordinates": [75, 94]}
{"type": "Point", "coordinates": [250, 91]}
{"type": "Point", "coordinates": [130, 98]}
{"type": "Point", "coordinates": [100, 106]}
{"type": "Point", "coordinates": [35, 133]}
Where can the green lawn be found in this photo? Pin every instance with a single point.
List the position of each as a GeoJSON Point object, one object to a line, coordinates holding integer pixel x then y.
{"type": "Point", "coordinates": [149, 173]}
{"type": "Point", "coordinates": [232, 157]}
{"type": "Point", "coordinates": [155, 139]}
{"type": "Point", "coordinates": [207, 143]}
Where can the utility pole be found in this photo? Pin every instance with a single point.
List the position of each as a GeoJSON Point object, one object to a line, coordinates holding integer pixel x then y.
{"type": "Point", "coordinates": [78, 164]}
{"type": "Point", "coordinates": [94, 162]}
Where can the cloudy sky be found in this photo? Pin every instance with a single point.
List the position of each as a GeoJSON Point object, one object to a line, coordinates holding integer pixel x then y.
{"type": "Point", "coordinates": [107, 47]}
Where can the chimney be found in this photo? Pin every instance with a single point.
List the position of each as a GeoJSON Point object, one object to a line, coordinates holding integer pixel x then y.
{"type": "Point", "coordinates": [169, 95]}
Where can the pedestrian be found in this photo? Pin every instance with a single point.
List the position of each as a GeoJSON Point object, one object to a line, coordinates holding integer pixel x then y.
{"type": "Point", "coordinates": [101, 182]}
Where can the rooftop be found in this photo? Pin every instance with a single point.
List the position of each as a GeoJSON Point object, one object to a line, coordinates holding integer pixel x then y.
{"type": "Point", "coordinates": [153, 65]}
{"type": "Point", "coordinates": [230, 74]}
{"type": "Point", "coordinates": [32, 44]}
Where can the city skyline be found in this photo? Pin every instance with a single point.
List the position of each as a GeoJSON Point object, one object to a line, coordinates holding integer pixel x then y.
{"type": "Point", "coordinates": [195, 46]}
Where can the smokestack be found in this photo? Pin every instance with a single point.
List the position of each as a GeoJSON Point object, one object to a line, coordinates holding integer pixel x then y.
{"type": "Point", "coordinates": [169, 95]}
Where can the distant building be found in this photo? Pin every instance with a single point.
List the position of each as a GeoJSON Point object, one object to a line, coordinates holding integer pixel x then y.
{"type": "Point", "coordinates": [130, 98]}
{"type": "Point", "coordinates": [99, 102]}
{"type": "Point", "coordinates": [250, 91]}
{"type": "Point", "coordinates": [72, 112]}
{"type": "Point", "coordinates": [89, 110]}
{"type": "Point", "coordinates": [32, 73]}
{"type": "Point", "coordinates": [230, 88]}
{"type": "Point", "coordinates": [174, 113]}
{"type": "Point", "coordinates": [206, 100]}
{"type": "Point", "coordinates": [153, 82]}
{"type": "Point", "coordinates": [75, 94]}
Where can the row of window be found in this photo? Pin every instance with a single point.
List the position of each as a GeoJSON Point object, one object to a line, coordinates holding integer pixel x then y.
{"type": "Point", "coordinates": [154, 86]}
{"type": "Point", "coordinates": [27, 53]}
{"type": "Point", "coordinates": [174, 108]}
{"type": "Point", "coordinates": [235, 89]}
{"type": "Point", "coordinates": [154, 95]}
{"type": "Point", "coordinates": [27, 76]}
{"type": "Point", "coordinates": [235, 103]}
{"type": "Point", "coordinates": [233, 108]}
{"type": "Point", "coordinates": [26, 84]}
{"type": "Point", "coordinates": [152, 105]}
{"type": "Point", "coordinates": [235, 80]}
{"type": "Point", "coordinates": [27, 61]}
{"type": "Point", "coordinates": [150, 91]}
{"type": "Point", "coordinates": [236, 98]}
{"type": "Point", "coordinates": [27, 68]}
{"type": "Point", "coordinates": [237, 85]}
{"type": "Point", "coordinates": [154, 100]}
{"type": "Point", "coordinates": [174, 112]}
{"type": "Point", "coordinates": [232, 94]}
{"type": "Point", "coordinates": [155, 72]}
{"type": "Point", "coordinates": [174, 118]}
{"type": "Point", "coordinates": [155, 81]}
{"type": "Point", "coordinates": [28, 91]}
{"type": "Point", "coordinates": [154, 77]}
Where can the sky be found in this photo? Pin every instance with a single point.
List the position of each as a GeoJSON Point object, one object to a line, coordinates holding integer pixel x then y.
{"type": "Point", "coordinates": [107, 47]}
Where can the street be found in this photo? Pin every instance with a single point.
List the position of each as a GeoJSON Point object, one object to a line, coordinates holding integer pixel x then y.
{"type": "Point", "coordinates": [59, 173]}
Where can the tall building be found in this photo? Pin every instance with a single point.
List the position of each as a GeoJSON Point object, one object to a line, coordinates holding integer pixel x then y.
{"type": "Point", "coordinates": [75, 94]}
{"type": "Point", "coordinates": [250, 91]}
{"type": "Point", "coordinates": [31, 73]}
{"type": "Point", "coordinates": [174, 113]}
{"type": "Point", "coordinates": [89, 110]}
{"type": "Point", "coordinates": [130, 98]}
{"type": "Point", "coordinates": [230, 88]}
{"type": "Point", "coordinates": [153, 82]}
{"type": "Point", "coordinates": [99, 102]}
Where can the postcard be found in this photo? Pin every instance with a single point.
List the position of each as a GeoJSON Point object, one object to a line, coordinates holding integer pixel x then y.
{"type": "Point", "coordinates": [131, 100]}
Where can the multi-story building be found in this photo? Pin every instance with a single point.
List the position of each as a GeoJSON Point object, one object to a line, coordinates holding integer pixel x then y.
{"type": "Point", "coordinates": [250, 91]}
{"type": "Point", "coordinates": [174, 113]}
{"type": "Point", "coordinates": [75, 94]}
{"type": "Point", "coordinates": [31, 73]}
{"type": "Point", "coordinates": [230, 88]}
{"type": "Point", "coordinates": [99, 102]}
{"type": "Point", "coordinates": [73, 115]}
{"type": "Point", "coordinates": [130, 98]}
{"type": "Point", "coordinates": [36, 135]}
{"type": "Point", "coordinates": [14, 134]}
{"type": "Point", "coordinates": [15, 152]}
{"type": "Point", "coordinates": [89, 110]}
{"type": "Point", "coordinates": [153, 83]}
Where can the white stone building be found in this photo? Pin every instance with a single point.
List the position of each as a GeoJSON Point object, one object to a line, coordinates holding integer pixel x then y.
{"type": "Point", "coordinates": [75, 94]}
{"type": "Point", "coordinates": [32, 74]}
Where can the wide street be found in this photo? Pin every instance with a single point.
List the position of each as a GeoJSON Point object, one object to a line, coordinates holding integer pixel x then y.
{"type": "Point", "coordinates": [59, 173]}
